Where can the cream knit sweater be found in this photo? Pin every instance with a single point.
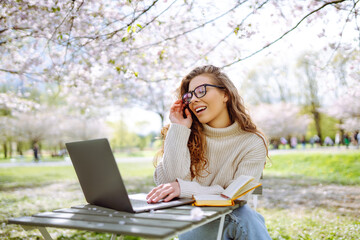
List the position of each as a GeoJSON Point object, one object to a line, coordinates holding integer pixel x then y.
{"type": "Point", "coordinates": [231, 152]}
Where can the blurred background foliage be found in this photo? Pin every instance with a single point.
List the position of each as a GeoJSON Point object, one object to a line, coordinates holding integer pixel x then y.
{"type": "Point", "coordinates": [76, 72]}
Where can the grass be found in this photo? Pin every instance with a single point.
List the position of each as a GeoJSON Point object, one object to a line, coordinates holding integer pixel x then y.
{"type": "Point", "coordinates": [339, 167]}
{"type": "Point", "coordinates": [22, 177]}
{"type": "Point", "coordinates": [29, 190]}
{"type": "Point", "coordinates": [310, 224]}
{"type": "Point", "coordinates": [35, 176]}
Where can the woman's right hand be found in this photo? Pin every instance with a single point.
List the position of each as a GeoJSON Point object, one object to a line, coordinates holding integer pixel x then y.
{"type": "Point", "coordinates": [176, 114]}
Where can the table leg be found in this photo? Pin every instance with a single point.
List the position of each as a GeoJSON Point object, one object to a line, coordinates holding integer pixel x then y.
{"type": "Point", "coordinates": [113, 237]}
{"type": "Point", "coordinates": [45, 233]}
{"type": "Point", "coordinates": [42, 230]}
{"type": "Point", "coordinates": [221, 226]}
{"type": "Point", "coordinates": [255, 201]}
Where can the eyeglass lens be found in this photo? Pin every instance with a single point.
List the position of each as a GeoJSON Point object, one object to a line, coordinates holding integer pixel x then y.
{"type": "Point", "coordinates": [199, 92]}
{"type": "Point", "coordinates": [187, 98]}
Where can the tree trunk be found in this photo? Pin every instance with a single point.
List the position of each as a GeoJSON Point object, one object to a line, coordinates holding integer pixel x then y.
{"type": "Point", "coordinates": [19, 148]}
{"type": "Point", "coordinates": [342, 132]}
{"type": "Point", "coordinates": [10, 149]}
{"type": "Point", "coordinates": [5, 150]}
{"type": "Point", "coordinates": [317, 118]}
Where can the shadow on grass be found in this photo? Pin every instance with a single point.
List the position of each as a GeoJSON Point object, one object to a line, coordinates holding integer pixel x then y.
{"type": "Point", "coordinates": [11, 186]}
{"type": "Point", "coordinates": [300, 192]}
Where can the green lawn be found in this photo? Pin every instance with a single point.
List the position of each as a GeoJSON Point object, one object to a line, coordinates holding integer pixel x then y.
{"type": "Point", "coordinates": [35, 176]}
{"type": "Point", "coordinates": [28, 190]}
{"type": "Point", "coordinates": [338, 167]}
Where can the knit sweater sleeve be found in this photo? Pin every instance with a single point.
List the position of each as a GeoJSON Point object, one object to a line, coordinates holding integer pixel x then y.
{"type": "Point", "coordinates": [176, 159]}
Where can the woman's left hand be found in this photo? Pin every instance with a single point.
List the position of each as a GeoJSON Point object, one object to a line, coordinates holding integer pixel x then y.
{"type": "Point", "coordinates": [166, 191]}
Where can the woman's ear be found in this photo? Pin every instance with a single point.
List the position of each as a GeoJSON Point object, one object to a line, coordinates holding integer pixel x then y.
{"type": "Point", "coordinates": [226, 97]}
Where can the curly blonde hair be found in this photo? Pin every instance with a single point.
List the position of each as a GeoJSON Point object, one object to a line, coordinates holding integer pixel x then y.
{"type": "Point", "coordinates": [236, 109]}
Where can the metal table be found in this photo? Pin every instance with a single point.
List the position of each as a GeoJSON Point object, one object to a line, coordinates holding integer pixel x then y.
{"type": "Point", "coordinates": [159, 224]}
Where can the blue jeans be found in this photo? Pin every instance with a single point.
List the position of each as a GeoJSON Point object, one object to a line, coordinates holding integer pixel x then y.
{"type": "Point", "coordinates": [242, 223]}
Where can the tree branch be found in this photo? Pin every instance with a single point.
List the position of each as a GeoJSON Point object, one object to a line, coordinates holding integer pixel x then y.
{"type": "Point", "coordinates": [62, 22]}
{"type": "Point", "coordinates": [342, 30]}
{"type": "Point", "coordinates": [356, 17]}
{"type": "Point", "coordinates": [283, 35]}
{"type": "Point", "coordinates": [56, 30]}
{"type": "Point", "coordinates": [10, 71]}
{"type": "Point", "coordinates": [113, 33]}
{"type": "Point", "coordinates": [27, 74]}
{"type": "Point", "coordinates": [14, 28]}
{"type": "Point", "coordinates": [19, 72]}
{"type": "Point", "coordinates": [227, 36]}
{"type": "Point", "coordinates": [15, 38]}
{"type": "Point", "coordinates": [110, 35]}
{"type": "Point", "coordinates": [152, 20]}
{"type": "Point", "coordinates": [188, 31]}
{"type": "Point", "coordinates": [68, 41]}
{"type": "Point", "coordinates": [152, 81]}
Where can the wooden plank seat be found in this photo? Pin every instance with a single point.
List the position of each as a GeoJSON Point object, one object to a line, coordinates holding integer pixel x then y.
{"type": "Point", "coordinates": [159, 224]}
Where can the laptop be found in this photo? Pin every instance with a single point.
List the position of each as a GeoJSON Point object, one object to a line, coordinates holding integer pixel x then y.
{"type": "Point", "coordinates": [101, 181]}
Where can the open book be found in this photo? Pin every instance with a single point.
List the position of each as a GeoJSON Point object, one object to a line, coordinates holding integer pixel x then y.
{"type": "Point", "coordinates": [238, 188]}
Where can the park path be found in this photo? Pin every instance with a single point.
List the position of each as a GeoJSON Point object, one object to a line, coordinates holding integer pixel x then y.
{"type": "Point", "coordinates": [287, 193]}
{"type": "Point", "coordinates": [67, 161]}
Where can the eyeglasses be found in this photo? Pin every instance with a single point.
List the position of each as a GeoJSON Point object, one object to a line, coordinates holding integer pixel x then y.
{"type": "Point", "coordinates": [199, 92]}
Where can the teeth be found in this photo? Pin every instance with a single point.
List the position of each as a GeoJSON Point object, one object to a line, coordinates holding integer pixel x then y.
{"type": "Point", "coordinates": [200, 109]}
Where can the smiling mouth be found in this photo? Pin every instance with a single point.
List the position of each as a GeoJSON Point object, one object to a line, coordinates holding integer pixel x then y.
{"type": "Point", "coordinates": [200, 109]}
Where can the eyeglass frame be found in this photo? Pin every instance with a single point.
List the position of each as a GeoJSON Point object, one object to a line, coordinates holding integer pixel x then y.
{"type": "Point", "coordinates": [194, 93]}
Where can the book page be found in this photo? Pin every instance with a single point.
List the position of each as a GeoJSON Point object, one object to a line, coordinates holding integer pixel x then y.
{"type": "Point", "coordinates": [247, 188]}
{"type": "Point", "coordinates": [236, 186]}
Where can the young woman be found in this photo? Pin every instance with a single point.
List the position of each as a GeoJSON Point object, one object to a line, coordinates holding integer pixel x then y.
{"type": "Point", "coordinates": [210, 142]}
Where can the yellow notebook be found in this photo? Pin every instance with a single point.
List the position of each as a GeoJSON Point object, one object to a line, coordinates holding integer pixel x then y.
{"type": "Point", "coordinates": [238, 188]}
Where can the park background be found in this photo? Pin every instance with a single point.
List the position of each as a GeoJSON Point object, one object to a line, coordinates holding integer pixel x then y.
{"type": "Point", "coordinates": [76, 70]}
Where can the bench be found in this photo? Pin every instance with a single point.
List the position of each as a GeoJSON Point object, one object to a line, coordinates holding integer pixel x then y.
{"type": "Point", "coordinates": [159, 224]}
{"type": "Point", "coordinates": [257, 192]}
